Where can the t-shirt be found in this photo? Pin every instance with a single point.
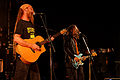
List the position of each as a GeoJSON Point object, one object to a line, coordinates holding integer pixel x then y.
{"type": "Point", "coordinates": [25, 29]}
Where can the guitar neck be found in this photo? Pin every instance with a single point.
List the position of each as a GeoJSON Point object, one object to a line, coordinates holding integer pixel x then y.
{"type": "Point", "coordinates": [43, 42]}
{"type": "Point", "coordinates": [47, 40]}
{"type": "Point", "coordinates": [84, 57]}
{"type": "Point", "coordinates": [57, 34]}
{"type": "Point", "coordinates": [54, 36]}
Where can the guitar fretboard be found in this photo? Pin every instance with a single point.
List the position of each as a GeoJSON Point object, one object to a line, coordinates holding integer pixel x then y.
{"type": "Point", "coordinates": [47, 40]}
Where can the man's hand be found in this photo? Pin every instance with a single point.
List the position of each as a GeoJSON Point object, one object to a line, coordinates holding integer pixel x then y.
{"type": "Point", "coordinates": [84, 58]}
{"type": "Point", "coordinates": [52, 38]}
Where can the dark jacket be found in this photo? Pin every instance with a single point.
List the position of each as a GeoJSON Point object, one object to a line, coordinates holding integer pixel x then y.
{"type": "Point", "coordinates": [70, 47]}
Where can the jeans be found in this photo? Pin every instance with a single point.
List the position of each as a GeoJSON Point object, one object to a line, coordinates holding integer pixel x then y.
{"type": "Point", "coordinates": [26, 71]}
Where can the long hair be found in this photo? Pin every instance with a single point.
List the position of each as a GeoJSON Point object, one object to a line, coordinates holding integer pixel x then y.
{"type": "Point", "coordinates": [20, 14]}
{"type": "Point", "coordinates": [70, 30]}
{"type": "Point", "coordinates": [73, 31]}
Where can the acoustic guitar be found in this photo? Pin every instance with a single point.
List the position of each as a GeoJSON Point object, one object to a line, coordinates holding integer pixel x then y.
{"type": "Point", "coordinates": [28, 55]}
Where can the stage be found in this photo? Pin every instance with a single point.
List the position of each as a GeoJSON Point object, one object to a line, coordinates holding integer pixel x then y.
{"type": "Point", "coordinates": [101, 30]}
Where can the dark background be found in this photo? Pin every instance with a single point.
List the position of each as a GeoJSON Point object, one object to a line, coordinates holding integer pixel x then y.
{"type": "Point", "coordinates": [100, 26]}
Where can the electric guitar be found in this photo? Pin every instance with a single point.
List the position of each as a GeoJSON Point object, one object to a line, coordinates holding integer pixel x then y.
{"type": "Point", "coordinates": [76, 64]}
{"type": "Point", "coordinates": [28, 55]}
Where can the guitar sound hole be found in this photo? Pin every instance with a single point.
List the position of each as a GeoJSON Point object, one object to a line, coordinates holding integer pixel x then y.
{"type": "Point", "coordinates": [32, 50]}
{"type": "Point", "coordinates": [38, 44]}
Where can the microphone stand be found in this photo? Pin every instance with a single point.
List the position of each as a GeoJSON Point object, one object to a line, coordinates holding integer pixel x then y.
{"type": "Point", "coordinates": [89, 57]}
{"type": "Point", "coordinates": [50, 45]}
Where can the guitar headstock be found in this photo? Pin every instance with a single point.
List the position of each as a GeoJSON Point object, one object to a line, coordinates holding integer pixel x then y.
{"type": "Point", "coordinates": [63, 31]}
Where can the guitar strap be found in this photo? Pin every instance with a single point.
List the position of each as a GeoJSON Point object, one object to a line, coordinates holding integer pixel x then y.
{"type": "Point", "coordinates": [76, 46]}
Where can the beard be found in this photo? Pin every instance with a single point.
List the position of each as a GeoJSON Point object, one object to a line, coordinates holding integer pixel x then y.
{"type": "Point", "coordinates": [30, 14]}
{"type": "Point", "coordinates": [76, 36]}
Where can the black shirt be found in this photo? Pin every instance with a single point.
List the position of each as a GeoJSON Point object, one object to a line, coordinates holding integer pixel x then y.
{"type": "Point", "coordinates": [25, 29]}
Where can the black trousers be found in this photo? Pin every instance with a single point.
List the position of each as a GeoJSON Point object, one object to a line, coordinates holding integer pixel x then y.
{"type": "Point", "coordinates": [73, 74]}
{"type": "Point", "coordinates": [26, 71]}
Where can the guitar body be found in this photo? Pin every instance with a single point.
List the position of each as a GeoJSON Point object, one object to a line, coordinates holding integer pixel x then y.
{"type": "Point", "coordinates": [27, 54]}
{"type": "Point", "coordinates": [75, 63]}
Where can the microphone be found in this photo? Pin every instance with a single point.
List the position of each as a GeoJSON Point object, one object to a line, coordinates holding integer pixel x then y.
{"type": "Point", "coordinates": [79, 32]}
{"type": "Point", "coordinates": [38, 13]}
{"type": "Point", "coordinates": [83, 35]}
